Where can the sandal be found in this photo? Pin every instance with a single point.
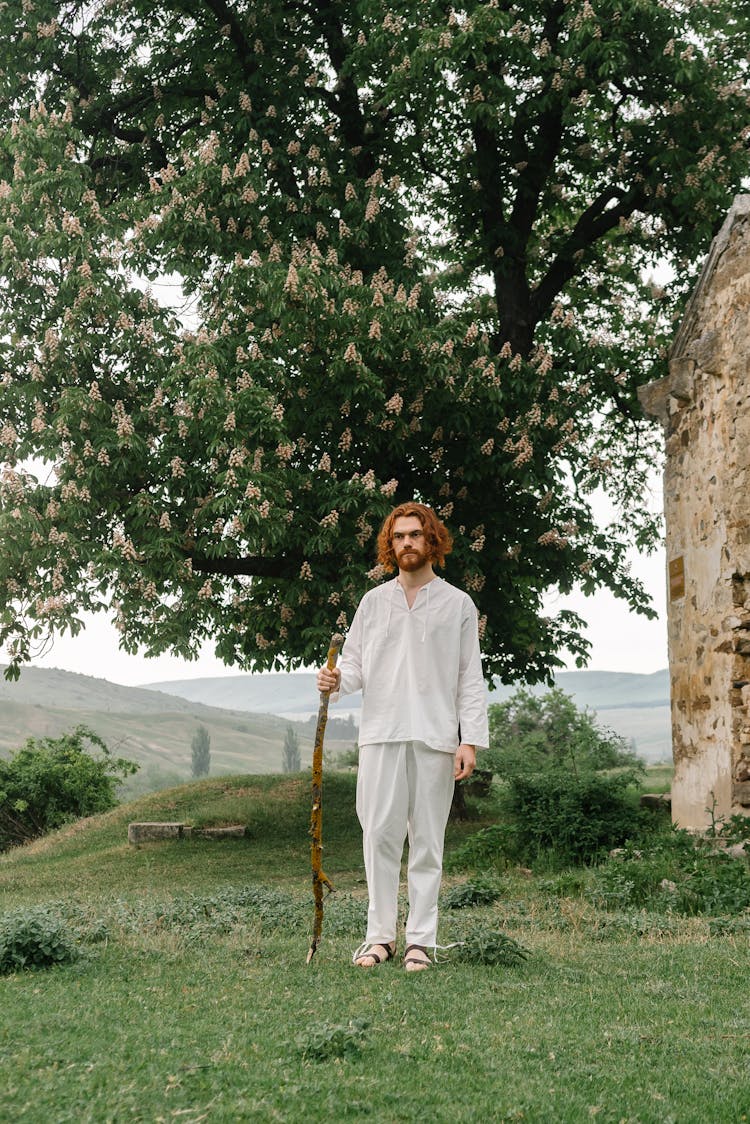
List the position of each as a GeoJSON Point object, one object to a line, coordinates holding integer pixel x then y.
{"type": "Point", "coordinates": [418, 963]}
{"type": "Point", "coordinates": [367, 951]}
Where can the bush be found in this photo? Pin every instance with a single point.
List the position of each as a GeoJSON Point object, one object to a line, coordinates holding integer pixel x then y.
{"type": "Point", "coordinates": [52, 781]}
{"type": "Point", "coordinates": [34, 938]}
{"type": "Point", "coordinates": [479, 891]}
{"type": "Point", "coordinates": [489, 946]}
{"type": "Point", "coordinates": [568, 821]}
{"type": "Point", "coordinates": [530, 734]}
{"type": "Point", "coordinates": [490, 846]}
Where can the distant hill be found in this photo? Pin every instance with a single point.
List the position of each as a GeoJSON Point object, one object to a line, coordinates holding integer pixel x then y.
{"type": "Point", "coordinates": [247, 715]}
{"type": "Point", "coordinates": [155, 729]}
{"type": "Point", "coordinates": [635, 706]}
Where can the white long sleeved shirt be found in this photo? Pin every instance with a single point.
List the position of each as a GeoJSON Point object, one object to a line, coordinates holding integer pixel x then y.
{"type": "Point", "coordinates": [419, 669]}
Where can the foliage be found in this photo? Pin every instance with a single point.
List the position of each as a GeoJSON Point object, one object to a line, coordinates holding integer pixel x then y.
{"type": "Point", "coordinates": [54, 780]}
{"type": "Point", "coordinates": [290, 754]}
{"type": "Point", "coordinates": [561, 820]}
{"type": "Point", "coordinates": [735, 829]}
{"type": "Point", "coordinates": [679, 872]}
{"type": "Point", "coordinates": [323, 1041]}
{"type": "Point", "coordinates": [530, 733]}
{"type": "Point", "coordinates": [267, 269]}
{"type": "Point", "coordinates": [345, 759]}
{"type": "Point", "coordinates": [489, 946]}
{"type": "Point", "coordinates": [479, 891]}
{"type": "Point", "coordinates": [566, 884]}
{"type": "Point", "coordinates": [197, 916]}
{"type": "Point", "coordinates": [729, 926]}
{"type": "Point", "coordinates": [490, 846]}
{"type": "Point", "coordinates": [200, 746]}
{"type": "Point", "coordinates": [34, 938]}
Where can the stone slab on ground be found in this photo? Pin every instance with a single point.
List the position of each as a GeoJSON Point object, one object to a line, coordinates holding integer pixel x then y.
{"type": "Point", "coordinates": [656, 800]}
{"type": "Point", "coordinates": [156, 832]}
{"type": "Point", "coordinates": [152, 832]}
{"type": "Point", "coordinates": [233, 831]}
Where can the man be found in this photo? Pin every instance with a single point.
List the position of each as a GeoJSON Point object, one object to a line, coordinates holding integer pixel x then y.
{"type": "Point", "coordinates": [413, 649]}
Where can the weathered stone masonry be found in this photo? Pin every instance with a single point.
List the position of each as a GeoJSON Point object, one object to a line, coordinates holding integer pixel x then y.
{"type": "Point", "coordinates": [704, 405]}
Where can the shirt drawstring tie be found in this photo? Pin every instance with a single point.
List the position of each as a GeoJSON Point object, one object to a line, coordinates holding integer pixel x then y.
{"type": "Point", "coordinates": [426, 613]}
{"type": "Point", "coordinates": [393, 584]}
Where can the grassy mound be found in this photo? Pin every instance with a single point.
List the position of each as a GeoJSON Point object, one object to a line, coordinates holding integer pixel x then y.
{"type": "Point", "coordinates": [96, 857]}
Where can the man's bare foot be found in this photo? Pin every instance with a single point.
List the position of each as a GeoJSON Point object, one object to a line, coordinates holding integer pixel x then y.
{"type": "Point", "coordinates": [416, 958]}
{"type": "Point", "coordinates": [374, 954]}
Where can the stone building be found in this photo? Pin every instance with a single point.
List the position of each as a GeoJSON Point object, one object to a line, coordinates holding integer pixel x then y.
{"type": "Point", "coordinates": [704, 405]}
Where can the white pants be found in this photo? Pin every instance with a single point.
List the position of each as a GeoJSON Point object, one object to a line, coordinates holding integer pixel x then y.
{"type": "Point", "coordinates": [403, 788]}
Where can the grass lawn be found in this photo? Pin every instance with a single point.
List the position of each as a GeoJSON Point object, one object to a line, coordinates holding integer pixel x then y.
{"type": "Point", "coordinates": [192, 1000]}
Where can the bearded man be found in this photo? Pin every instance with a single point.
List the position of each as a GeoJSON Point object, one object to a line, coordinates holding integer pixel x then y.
{"type": "Point", "coordinates": [413, 650]}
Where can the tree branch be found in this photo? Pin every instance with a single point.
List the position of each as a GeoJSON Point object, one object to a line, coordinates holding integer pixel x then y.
{"type": "Point", "coordinates": [596, 221]}
{"type": "Point", "coordinates": [284, 566]}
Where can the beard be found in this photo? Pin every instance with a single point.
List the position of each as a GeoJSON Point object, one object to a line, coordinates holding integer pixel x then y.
{"type": "Point", "coordinates": [411, 559]}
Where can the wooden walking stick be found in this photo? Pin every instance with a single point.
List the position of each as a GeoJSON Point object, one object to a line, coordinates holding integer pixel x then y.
{"type": "Point", "coordinates": [319, 879]}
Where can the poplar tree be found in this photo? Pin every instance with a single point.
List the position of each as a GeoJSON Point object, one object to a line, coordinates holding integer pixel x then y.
{"type": "Point", "coordinates": [200, 746]}
{"type": "Point", "coordinates": [270, 268]}
{"type": "Point", "coordinates": [291, 759]}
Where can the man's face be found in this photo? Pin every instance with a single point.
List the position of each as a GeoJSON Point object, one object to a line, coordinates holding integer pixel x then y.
{"type": "Point", "coordinates": [409, 544]}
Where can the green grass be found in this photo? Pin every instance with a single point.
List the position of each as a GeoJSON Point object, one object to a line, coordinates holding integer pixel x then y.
{"type": "Point", "coordinates": [192, 1001]}
{"type": "Point", "coordinates": [658, 778]}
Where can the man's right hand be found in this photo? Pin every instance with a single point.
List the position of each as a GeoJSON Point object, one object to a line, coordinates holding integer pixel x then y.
{"type": "Point", "coordinates": [328, 680]}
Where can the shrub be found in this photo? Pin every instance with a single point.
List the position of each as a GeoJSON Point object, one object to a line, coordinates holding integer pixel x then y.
{"type": "Point", "coordinates": [488, 946]}
{"type": "Point", "coordinates": [530, 734]}
{"type": "Point", "coordinates": [567, 820]}
{"type": "Point", "coordinates": [52, 781]}
{"type": "Point", "coordinates": [479, 891]}
{"type": "Point", "coordinates": [490, 846]}
{"type": "Point", "coordinates": [34, 938]}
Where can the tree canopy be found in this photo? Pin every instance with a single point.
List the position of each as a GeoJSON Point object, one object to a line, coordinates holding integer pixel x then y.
{"type": "Point", "coordinates": [269, 268]}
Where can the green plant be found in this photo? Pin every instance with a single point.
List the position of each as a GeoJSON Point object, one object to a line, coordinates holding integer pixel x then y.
{"type": "Point", "coordinates": [563, 820]}
{"type": "Point", "coordinates": [566, 884]}
{"type": "Point", "coordinates": [677, 872]}
{"type": "Point", "coordinates": [34, 938]}
{"type": "Point", "coordinates": [729, 926]}
{"type": "Point", "coordinates": [490, 846]}
{"type": "Point", "coordinates": [489, 946]}
{"type": "Point", "coordinates": [322, 1041]}
{"type": "Point", "coordinates": [197, 915]}
{"type": "Point", "coordinates": [54, 780]}
{"type": "Point", "coordinates": [291, 760]}
{"type": "Point", "coordinates": [201, 753]}
{"type": "Point", "coordinates": [440, 221]}
{"type": "Point", "coordinates": [478, 891]}
{"type": "Point", "coordinates": [531, 733]}
{"type": "Point", "coordinates": [736, 829]}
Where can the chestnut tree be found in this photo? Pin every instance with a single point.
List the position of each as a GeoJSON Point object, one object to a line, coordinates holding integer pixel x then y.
{"type": "Point", "coordinates": [270, 267]}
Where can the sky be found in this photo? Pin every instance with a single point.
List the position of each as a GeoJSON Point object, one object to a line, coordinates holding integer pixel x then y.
{"type": "Point", "coordinates": [620, 640]}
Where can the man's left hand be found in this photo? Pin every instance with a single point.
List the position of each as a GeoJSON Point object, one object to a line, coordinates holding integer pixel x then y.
{"type": "Point", "coordinates": [466, 759]}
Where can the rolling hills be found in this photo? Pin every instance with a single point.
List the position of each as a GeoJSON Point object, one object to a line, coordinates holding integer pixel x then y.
{"type": "Point", "coordinates": [155, 729]}
{"type": "Point", "coordinates": [247, 716]}
{"type": "Point", "coordinates": [635, 706]}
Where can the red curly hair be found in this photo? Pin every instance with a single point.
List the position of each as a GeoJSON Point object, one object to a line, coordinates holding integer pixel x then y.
{"type": "Point", "coordinates": [437, 536]}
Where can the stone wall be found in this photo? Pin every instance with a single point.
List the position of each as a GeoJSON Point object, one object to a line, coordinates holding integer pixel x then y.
{"type": "Point", "coordinates": [704, 404]}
